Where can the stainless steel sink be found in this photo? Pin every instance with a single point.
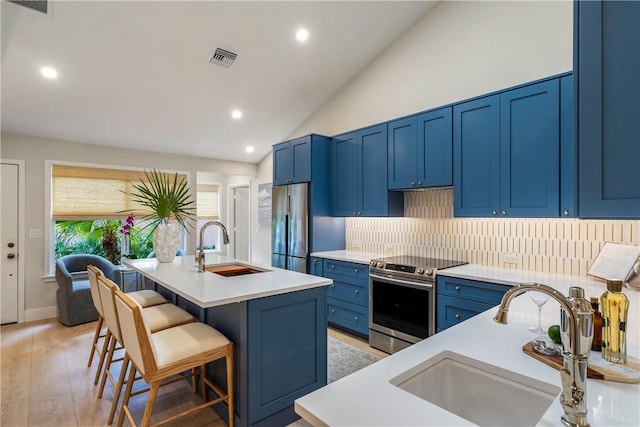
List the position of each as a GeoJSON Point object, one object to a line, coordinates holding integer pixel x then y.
{"type": "Point", "coordinates": [481, 393]}
{"type": "Point", "coordinates": [234, 269]}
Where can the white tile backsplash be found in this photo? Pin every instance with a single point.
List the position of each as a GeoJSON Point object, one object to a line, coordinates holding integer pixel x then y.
{"type": "Point", "coordinates": [428, 229]}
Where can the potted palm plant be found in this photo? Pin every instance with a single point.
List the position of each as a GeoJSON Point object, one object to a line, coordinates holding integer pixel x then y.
{"type": "Point", "coordinates": [168, 201]}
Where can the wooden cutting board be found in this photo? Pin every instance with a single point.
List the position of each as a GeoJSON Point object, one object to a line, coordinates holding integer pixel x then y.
{"type": "Point", "coordinates": [598, 368]}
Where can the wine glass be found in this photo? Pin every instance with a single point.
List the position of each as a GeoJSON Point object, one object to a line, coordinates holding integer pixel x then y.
{"type": "Point", "coordinates": [540, 299]}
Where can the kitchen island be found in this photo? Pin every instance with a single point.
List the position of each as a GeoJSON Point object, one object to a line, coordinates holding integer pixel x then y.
{"type": "Point", "coordinates": [369, 396]}
{"type": "Point", "coordinates": [276, 319]}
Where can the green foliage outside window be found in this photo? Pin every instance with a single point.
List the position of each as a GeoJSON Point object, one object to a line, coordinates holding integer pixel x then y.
{"type": "Point", "coordinates": [100, 237]}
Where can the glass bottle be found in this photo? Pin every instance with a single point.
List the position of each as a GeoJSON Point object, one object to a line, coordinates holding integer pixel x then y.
{"type": "Point", "coordinates": [615, 306]}
{"type": "Point", "coordinates": [597, 324]}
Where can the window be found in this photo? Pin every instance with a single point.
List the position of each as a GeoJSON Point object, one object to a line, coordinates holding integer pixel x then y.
{"type": "Point", "coordinates": [207, 209]}
{"type": "Point", "coordinates": [88, 205]}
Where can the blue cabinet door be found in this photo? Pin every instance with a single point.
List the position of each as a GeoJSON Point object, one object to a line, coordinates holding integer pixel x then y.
{"type": "Point", "coordinates": [435, 149]}
{"type": "Point", "coordinates": [402, 149]}
{"type": "Point", "coordinates": [530, 151]}
{"type": "Point", "coordinates": [607, 34]}
{"type": "Point", "coordinates": [476, 153]}
{"type": "Point", "coordinates": [301, 160]}
{"type": "Point", "coordinates": [315, 266]}
{"type": "Point", "coordinates": [568, 152]}
{"type": "Point", "coordinates": [346, 179]}
{"type": "Point", "coordinates": [373, 150]}
{"type": "Point", "coordinates": [281, 163]}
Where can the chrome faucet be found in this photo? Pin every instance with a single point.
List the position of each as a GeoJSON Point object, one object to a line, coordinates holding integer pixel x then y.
{"type": "Point", "coordinates": [200, 249]}
{"type": "Point", "coordinates": [579, 320]}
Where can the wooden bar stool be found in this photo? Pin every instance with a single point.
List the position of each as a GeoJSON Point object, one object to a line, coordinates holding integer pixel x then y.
{"type": "Point", "coordinates": [160, 317]}
{"type": "Point", "coordinates": [162, 355]}
{"type": "Point", "coordinates": [146, 298]}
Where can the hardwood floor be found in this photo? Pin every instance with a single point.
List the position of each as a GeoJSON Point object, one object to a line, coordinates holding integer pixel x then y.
{"type": "Point", "coordinates": [45, 380]}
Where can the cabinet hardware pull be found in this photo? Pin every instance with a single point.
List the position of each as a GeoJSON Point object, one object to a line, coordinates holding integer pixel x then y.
{"type": "Point", "coordinates": [356, 270]}
{"type": "Point", "coordinates": [333, 310]}
{"type": "Point", "coordinates": [504, 212]}
{"type": "Point", "coordinates": [333, 286]}
{"type": "Point", "coordinates": [356, 291]}
{"type": "Point", "coordinates": [457, 288]}
{"type": "Point", "coordinates": [356, 318]}
{"type": "Point", "coordinates": [457, 316]}
{"type": "Point", "coordinates": [419, 182]}
{"type": "Point", "coordinates": [494, 213]}
{"type": "Point", "coordinates": [413, 183]}
{"type": "Point", "coordinates": [566, 212]}
{"type": "Point", "coordinates": [333, 266]}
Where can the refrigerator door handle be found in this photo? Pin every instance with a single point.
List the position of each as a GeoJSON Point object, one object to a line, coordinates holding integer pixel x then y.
{"type": "Point", "coordinates": [289, 204]}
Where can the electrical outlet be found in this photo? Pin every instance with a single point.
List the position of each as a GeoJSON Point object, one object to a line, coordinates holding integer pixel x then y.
{"type": "Point", "coordinates": [511, 259]}
{"type": "Point", "coordinates": [388, 249]}
{"type": "Point", "coordinates": [35, 233]}
{"type": "Point", "coordinates": [356, 246]}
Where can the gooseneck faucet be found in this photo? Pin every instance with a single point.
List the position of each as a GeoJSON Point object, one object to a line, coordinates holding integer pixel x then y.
{"type": "Point", "coordinates": [579, 321]}
{"type": "Point", "coordinates": [200, 249]}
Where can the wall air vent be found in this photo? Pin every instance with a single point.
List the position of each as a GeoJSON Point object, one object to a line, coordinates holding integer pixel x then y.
{"type": "Point", "coordinates": [223, 58]}
{"type": "Point", "coordinates": [41, 6]}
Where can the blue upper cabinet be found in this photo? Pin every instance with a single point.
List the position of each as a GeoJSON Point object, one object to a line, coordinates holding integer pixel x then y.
{"type": "Point", "coordinates": [420, 151]}
{"type": "Point", "coordinates": [359, 175]}
{"type": "Point", "coordinates": [476, 153]}
{"type": "Point", "coordinates": [530, 151]}
{"type": "Point", "coordinates": [607, 63]}
{"type": "Point", "coordinates": [292, 161]}
{"type": "Point", "coordinates": [507, 153]}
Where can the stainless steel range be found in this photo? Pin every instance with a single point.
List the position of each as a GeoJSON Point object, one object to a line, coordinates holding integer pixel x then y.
{"type": "Point", "coordinates": [402, 300]}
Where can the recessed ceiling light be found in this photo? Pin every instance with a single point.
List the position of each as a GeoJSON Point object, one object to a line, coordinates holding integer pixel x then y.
{"type": "Point", "coordinates": [302, 35]}
{"type": "Point", "coordinates": [236, 114]}
{"type": "Point", "coordinates": [249, 149]}
{"type": "Point", "coordinates": [49, 72]}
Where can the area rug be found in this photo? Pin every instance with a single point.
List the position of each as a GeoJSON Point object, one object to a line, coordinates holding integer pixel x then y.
{"type": "Point", "coordinates": [345, 359]}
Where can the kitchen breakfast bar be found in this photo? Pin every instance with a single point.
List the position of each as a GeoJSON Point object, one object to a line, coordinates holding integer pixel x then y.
{"type": "Point", "coordinates": [276, 319]}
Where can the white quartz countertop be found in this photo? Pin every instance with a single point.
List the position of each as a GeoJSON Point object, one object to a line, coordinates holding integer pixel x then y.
{"type": "Point", "coordinates": [367, 398]}
{"type": "Point", "coordinates": [350, 256]}
{"type": "Point", "coordinates": [209, 289]}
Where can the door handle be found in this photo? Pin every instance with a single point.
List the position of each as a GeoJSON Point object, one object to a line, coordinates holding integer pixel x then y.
{"type": "Point", "coordinates": [11, 256]}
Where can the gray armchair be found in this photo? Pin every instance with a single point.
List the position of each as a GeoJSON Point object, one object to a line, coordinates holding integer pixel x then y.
{"type": "Point", "coordinates": [75, 305]}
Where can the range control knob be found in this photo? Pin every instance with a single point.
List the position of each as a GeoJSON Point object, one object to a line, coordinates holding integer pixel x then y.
{"type": "Point", "coordinates": [420, 271]}
{"type": "Point", "coordinates": [429, 272]}
{"type": "Point", "coordinates": [380, 264]}
{"type": "Point", "coordinates": [372, 263]}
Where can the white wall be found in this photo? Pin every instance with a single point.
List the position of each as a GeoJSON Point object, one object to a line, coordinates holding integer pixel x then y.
{"type": "Point", "coordinates": [261, 237]}
{"type": "Point", "coordinates": [40, 294]}
{"type": "Point", "coordinates": [456, 51]}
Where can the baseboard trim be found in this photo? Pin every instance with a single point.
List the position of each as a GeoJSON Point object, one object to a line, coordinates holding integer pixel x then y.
{"type": "Point", "coordinates": [40, 313]}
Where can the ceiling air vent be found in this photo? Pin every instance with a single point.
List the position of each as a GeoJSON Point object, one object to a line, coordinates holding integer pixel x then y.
{"type": "Point", "coordinates": [223, 58]}
{"type": "Point", "coordinates": [41, 6]}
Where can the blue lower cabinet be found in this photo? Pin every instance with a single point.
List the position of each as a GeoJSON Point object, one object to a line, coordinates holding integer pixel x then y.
{"type": "Point", "coordinates": [350, 316]}
{"type": "Point", "coordinates": [460, 299]}
{"type": "Point", "coordinates": [287, 350]}
{"type": "Point", "coordinates": [348, 296]}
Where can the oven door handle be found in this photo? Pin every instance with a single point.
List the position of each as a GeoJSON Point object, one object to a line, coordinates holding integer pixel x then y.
{"type": "Point", "coordinates": [400, 282]}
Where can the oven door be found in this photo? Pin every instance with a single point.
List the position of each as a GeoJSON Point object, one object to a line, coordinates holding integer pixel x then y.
{"type": "Point", "coordinates": [401, 308]}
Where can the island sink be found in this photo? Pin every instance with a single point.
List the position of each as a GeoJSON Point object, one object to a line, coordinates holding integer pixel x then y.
{"type": "Point", "coordinates": [235, 269]}
{"type": "Point", "coordinates": [481, 393]}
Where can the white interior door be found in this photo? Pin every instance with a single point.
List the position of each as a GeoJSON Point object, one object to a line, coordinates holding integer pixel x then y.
{"type": "Point", "coordinates": [241, 223]}
{"type": "Point", "coordinates": [9, 240]}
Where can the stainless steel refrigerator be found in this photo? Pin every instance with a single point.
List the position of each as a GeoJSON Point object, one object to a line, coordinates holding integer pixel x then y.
{"type": "Point", "coordinates": [290, 227]}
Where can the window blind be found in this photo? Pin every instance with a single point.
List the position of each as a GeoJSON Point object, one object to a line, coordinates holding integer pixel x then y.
{"type": "Point", "coordinates": [207, 206]}
{"type": "Point", "coordinates": [82, 193]}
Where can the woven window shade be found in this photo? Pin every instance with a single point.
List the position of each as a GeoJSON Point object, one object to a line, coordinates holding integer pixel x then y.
{"type": "Point", "coordinates": [207, 206]}
{"type": "Point", "coordinates": [81, 193]}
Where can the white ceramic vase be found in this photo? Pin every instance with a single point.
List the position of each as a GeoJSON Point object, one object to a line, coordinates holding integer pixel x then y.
{"type": "Point", "coordinates": [166, 242]}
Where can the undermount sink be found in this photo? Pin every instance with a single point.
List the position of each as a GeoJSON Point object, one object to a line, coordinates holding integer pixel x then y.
{"type": "Point", "coordinates": [481, 393]}
{"type": "Point", "coordinates": [234, 269]}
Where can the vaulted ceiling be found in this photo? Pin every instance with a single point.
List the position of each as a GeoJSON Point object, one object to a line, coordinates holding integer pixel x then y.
{"type": "Point", "coordinates": [136, 74]}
